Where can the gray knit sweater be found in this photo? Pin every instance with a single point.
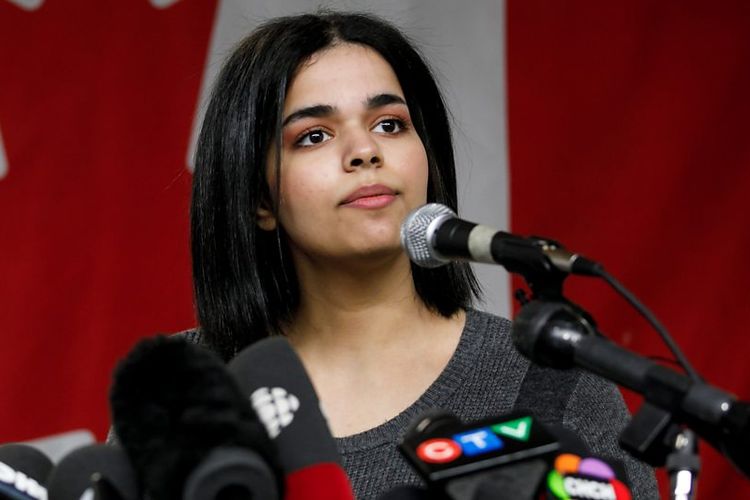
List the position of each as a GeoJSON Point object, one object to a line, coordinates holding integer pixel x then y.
{"type": "Point", "coordinates": [486, 377]}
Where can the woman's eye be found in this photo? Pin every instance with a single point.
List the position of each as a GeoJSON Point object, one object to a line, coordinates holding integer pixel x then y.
{"type": "Point", "coordinates": [390, 126]}
{"type": "Point", "coordinates": [313, 137]}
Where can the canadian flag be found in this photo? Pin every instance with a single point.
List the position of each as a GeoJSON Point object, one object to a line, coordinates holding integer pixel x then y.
{"type": "Point", "coordinates": [96, 106]}
{"type": "Point", "coordinates": [618, 128]}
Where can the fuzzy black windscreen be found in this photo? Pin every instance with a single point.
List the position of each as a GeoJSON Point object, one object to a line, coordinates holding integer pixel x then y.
{"type": "Point", "coordinates": [173, 402]}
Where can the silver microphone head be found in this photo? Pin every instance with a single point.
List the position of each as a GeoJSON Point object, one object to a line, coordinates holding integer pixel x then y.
{"type": "Point", "coordinates": [417, 232]}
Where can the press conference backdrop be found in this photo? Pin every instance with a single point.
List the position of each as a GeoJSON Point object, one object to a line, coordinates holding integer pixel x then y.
{"type": "Point", "coordinates": [619, 128]}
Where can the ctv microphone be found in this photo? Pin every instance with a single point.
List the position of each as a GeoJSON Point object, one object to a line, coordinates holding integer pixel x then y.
{"type": "Point", "coordinates": [101, 472]}
{"type": "Point", "coordinates": [187, 428]}
{"type": "Point", "coordinates": [271, 374]}
{"type": "Point", "coordinates": [433, 235]}
{"type": "Point", "coordinates": [23, 470]}
{"type": "Point", "coordinates": [511, 457]}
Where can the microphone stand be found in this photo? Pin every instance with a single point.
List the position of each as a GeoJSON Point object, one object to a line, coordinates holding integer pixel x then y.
{"type": "Point", "coordinates": [683, 465]}
{"type": "Point", "coordinates": [553, 331]}
{"type": "Point", "coordinates": [653, 436]}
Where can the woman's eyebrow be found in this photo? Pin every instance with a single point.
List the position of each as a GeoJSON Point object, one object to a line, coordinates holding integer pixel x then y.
{"type": "Point", "coordinates": [383, 100]}
{"type": "Point", "coordinates": [321, 110]}
{"type": "Point", "coordinates": [315, 111]}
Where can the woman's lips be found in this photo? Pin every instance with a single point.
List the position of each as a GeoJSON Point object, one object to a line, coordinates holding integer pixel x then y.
{"type": "Point", "coordinates": [375, 196]}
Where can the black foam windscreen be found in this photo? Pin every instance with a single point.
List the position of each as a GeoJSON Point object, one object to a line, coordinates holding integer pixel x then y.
{"type": "Point", "coordinates": [172, 404]}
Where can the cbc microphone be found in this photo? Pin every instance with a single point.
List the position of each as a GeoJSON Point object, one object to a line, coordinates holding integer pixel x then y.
{"type": "Point", "coordinates": [433, 235]}
{"type": "Point", "coordinates": [271, 374]}
{"type": "Point", "coordinates": [187, 428]}
{"type": "Point", "coordinates": [23, 471]}
{"type": "Point", "coordinates": [101, 472]}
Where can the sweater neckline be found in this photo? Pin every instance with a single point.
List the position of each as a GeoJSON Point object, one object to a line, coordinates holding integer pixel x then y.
{"type": "Point", "coordinates": [435, 396]}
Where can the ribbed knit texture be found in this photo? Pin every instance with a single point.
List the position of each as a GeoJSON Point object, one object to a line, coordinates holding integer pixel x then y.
{"type": "Point", "coordinates": [483, 379]}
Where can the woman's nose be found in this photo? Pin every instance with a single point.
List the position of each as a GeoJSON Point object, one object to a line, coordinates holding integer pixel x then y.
{"type": "Point", "coordinates": [364, 151]}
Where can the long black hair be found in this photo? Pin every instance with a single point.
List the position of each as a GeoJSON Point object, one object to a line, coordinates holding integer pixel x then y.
{"type": "Point", "coordinates": [245, 284]}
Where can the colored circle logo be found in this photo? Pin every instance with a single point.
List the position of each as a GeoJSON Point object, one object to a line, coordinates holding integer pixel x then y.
{"type": "Point", "coordinates": [576, 478]}
{"type": "Point", "coordinates": [438, 451]}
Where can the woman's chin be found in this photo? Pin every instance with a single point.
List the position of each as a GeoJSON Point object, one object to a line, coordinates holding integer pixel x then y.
{"type": "Point", "coordinates": [374, 254]}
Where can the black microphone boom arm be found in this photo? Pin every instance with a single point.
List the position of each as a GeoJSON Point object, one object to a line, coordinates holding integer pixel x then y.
{"type": "Point", "coordinates": [555, 333]}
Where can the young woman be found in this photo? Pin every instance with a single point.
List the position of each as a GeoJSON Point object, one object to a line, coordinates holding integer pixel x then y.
{"type": "Point", "coordinates": [323, 132]}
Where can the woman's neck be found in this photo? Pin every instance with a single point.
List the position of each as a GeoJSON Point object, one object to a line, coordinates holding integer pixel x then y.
{"type": "Point", "coordinates": [368, 342]}
{"type": "Point", "coordinates": [353, 305]}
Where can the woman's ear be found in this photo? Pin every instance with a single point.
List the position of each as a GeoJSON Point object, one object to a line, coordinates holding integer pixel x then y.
{"type": "Point", "coordinates": [265, 218]}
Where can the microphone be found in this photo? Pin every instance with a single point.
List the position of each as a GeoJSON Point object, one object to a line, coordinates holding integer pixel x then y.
{"type": "Point", "coordinates": [555, 334]}
{"type": "Point", "coordinates": [433, 235]}
{"type": "Point", "coordinates": [575, 476]}
{"type": "Point", "coordinates": [181, 419]}
{"type": "Point", "coordinates": [271, 374]}
{"type": "Point", "coordinates": [23, 470]}
{"type": "Point", "coordinates": [98, 471]}
{"type": "Point", "coordinates": [509, 457]}
{"type": "Point", "coordinates": [576, 473]}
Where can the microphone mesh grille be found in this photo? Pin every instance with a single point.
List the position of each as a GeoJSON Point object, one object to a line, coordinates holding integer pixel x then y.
{"type": "Point", "coordinates": [417, 230]}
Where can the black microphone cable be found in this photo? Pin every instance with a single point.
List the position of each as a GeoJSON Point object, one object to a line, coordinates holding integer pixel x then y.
{"type": "Point", "coordinates": [433, 235]}
{"type": "Point", "coordinates": [653, 321]}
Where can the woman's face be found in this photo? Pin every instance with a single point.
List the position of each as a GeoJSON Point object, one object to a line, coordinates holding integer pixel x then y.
{"type": "Point", "coordinates": [352, 165]}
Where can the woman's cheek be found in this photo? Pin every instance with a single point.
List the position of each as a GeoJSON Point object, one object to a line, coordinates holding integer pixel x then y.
{"type": "Point", "coordinates": [300, 198]}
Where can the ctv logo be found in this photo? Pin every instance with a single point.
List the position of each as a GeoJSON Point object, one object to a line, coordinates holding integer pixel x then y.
{"type": "Point", "coordinates": [576, 478]}
{"type": "Point", "coordinates": [474, 442]}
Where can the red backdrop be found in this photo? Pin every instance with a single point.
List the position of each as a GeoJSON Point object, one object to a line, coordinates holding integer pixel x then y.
{"type": "Point", "coordinates": [96, 104]}
{"type": "Point", "coordinates": [628, 140]}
